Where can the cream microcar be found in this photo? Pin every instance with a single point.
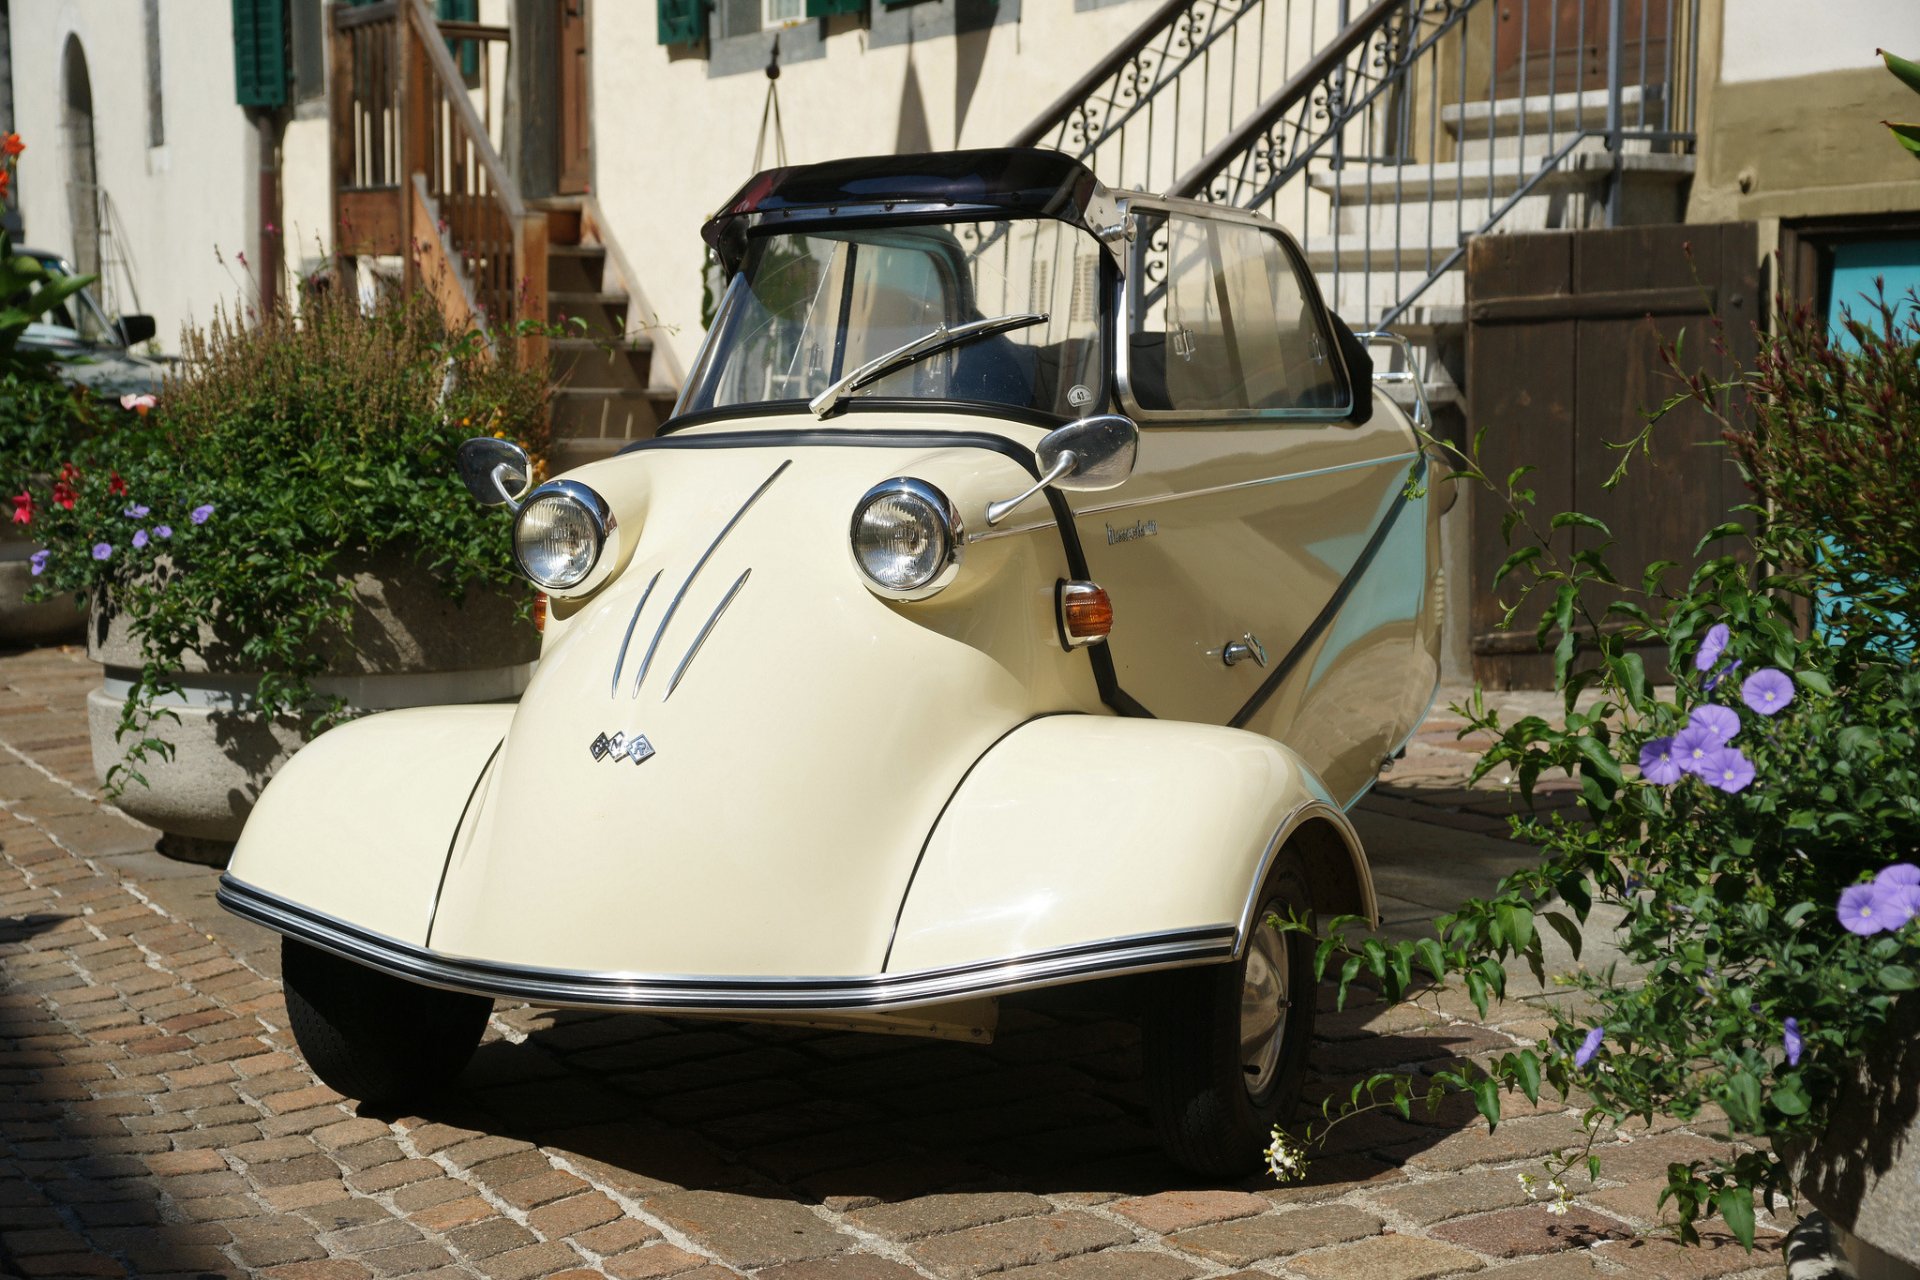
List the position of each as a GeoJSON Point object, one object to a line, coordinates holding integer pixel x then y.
{"type": "Point", "coordinates": [1025, 586]}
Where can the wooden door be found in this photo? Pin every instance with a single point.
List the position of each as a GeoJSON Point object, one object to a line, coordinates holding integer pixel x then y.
{"type": "Point", "coordinates": [1562, 44]}
{"type": "Point", "coordinates": [1563, 363]}
{"type": "Point", "coordinates": [575, 157]}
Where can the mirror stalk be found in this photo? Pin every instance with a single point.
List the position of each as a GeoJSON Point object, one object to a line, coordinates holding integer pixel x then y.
{"type": "Point", "coordinates": [998, 511]}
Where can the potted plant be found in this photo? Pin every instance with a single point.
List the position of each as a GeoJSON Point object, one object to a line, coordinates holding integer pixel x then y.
{"type": "Point", "coordinates": [1755, 824]}
{"type": "Point", "coordinates": [282, 541]}
{"type": "Point", "coordinates": [40, 417]}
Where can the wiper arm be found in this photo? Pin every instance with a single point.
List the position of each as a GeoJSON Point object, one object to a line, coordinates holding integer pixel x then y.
{"type": "Point", "coordinates": [924, 345]}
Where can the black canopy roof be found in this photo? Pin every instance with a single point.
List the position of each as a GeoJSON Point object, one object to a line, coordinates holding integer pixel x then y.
{"type": "Point", "coordinates": [1003, 182]}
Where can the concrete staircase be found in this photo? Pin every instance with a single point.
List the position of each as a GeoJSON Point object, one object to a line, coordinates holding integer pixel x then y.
{"type": "Point", "coordinates": [603, 366]}
{"type": "Point", "coordinates": [1390, 226]}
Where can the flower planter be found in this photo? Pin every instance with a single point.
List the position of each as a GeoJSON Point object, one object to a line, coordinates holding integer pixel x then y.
{"type": "Point", "coordinates": [1865, 1173]}
{"type": "Point", "coordinates": [410, 646]}
{"type": "Point", "coordinates": [23, 624]}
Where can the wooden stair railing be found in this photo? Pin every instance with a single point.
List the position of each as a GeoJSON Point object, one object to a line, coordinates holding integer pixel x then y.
{"type": "Point", "coordinates": [415, 174]}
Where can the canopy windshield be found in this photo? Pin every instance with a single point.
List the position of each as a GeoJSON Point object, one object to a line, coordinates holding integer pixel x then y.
{"type": "Point", "coordinates": [810, 306]}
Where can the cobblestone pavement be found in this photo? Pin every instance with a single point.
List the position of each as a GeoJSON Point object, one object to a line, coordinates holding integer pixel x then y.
{"type": "Point", "coordinates": [155, 1118]}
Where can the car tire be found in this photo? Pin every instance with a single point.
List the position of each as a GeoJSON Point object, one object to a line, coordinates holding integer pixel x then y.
{"type": "Point", "coordinates": [1225, 1046]}
{"type": "Point", "coordinates": [375, 1037]}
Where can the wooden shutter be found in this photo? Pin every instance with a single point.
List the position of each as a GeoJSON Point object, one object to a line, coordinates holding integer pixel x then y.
{"type": "Point", "coordinates": [683, 21]}
{"type": "Point", "coordinates": [260, 53]}
{"type": "Point", "coordinates": [828, 8]}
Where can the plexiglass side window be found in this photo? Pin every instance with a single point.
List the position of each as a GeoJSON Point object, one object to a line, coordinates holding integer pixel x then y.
{"type": "Point", "coordinates": [1224, 324]}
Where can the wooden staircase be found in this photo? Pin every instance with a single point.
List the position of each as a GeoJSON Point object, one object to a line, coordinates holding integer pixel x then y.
{"type": "Point", "coordinates": [417, 176]}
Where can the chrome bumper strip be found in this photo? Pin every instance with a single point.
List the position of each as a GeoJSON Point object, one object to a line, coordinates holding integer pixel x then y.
{"type": "Point", "coordinates": [1140, 953]}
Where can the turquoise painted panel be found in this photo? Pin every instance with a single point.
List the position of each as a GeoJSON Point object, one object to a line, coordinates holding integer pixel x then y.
{"type": "Point", "coordinates": [1856, 266]}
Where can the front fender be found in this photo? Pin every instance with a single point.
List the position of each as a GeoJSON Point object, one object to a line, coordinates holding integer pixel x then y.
{"type": "Point", "coordinates": [1078, 829]}
{"type": "Point", "coordinates": [358, 824]}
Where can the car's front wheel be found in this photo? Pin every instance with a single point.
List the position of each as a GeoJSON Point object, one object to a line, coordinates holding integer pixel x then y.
{"type": "Point", "coordinates": [374, 1037]}
{"type": "Point", "coordinates": [1225, 1046]}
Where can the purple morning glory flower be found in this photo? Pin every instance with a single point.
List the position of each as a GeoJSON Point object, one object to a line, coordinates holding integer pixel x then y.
{"type": "Point", "coordinates": [139, 539]}
{"type": "Point", "coordinates": [1692, 745]}
{"type": "Point", "coordinates": [135, 513]}
{"type": "Point", "coordinates": [200, 513]}
{"type": "Point", "coordinates": [1791, 1039]}
{"type": "Point", "coordinates": [162, 531]}
{"type": "Point", "coordinates": [1895, 904]}
{"type": "Point", "coordinates": [101, 550]}
{"type": "Point", "coordinates": [1714, 680]}
{"type": "Point", "coordinates": [1589, 1046]}
{"type": "Point", "coordinates": [1657, 763]}
{"type": "Point", "coordinates": [39, 561]}
{"type": "Point", "coordinates": [1897, 873]}
{"type": "Point", "coordinates": [1858, 910]}
{"type": "Point", "coordinates": [1767, 691]}
{"type": "Point", "coordinates": [1712, 647]}
{"type": "Point", "coordinates": [1722, 722]}
{"type": "Point", "coordinates": [1726, 769]}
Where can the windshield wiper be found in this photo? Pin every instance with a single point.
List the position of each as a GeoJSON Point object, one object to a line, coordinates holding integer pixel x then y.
{"type": "Point", "coordinates": [925, 345]}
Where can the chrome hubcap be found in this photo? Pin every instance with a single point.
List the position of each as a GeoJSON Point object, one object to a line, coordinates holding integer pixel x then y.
{"type": "Point", "coordinates": [1263, 1004]}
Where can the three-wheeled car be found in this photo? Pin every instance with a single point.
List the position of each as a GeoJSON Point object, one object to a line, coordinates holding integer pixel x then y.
{"type": "Point", "coordinates": [1024, 587]}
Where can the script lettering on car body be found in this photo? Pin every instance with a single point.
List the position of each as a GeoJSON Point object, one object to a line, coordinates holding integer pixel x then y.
{"type": "Point", "coordinates": [1134, 532]}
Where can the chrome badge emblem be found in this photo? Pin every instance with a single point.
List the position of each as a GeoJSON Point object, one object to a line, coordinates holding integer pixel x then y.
{"type": "Point", "coordinates": [622, 746]}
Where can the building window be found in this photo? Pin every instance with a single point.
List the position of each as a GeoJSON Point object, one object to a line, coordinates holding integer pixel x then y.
{"type": "Point", "coordinates": [156, 118]}
{"type": "Point", "coordinates": [783, 13]}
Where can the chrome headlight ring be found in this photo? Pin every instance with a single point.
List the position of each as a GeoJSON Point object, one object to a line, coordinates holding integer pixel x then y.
{"type": "Point", "coordinates": [906, 539]}
{"type": "Point", "coordinates": [577, 538]}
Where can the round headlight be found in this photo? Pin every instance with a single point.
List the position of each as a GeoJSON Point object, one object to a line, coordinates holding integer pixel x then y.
{"type": "Point", "coordinates": [561, 536]}
{"type": "Point", "coordinates": [906, 539]}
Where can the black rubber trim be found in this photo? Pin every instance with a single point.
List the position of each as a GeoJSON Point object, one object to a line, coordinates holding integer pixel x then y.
{"type": "Point", "coordinates": [1105, 678]}
{"type": "Point", "coordinates": [667, 993]}
{"type": "Point", "coordinates": [1331, 608]}
{"type": "Point", "coordinates": [440, 885]}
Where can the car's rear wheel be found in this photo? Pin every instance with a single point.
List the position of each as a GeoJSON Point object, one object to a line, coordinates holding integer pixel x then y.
{"type": "Point", "coordinates": [1225, 1046]}
{"type": "Point", "coordinates": [374, 1037]}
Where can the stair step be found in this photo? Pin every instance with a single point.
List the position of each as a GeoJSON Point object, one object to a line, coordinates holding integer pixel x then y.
{"type": "Point", "coordinates": [590, 413]}
{"type": "Point", "coordinates": [576, 268]}
{"type": "Point", "coordinates": [604, 312]}
{"type": "Point", "coordinates": [1565, 112]}
{"type": "Point", "coordinates": [603, 363]}
{"type": "Point", "coordinates": [1499, 178]}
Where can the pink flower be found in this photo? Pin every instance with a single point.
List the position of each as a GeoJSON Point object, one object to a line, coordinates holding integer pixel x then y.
{"type": "Point", "coordinates": [139, 404]}
{"type": "Point", "coordinates": [23, 508]}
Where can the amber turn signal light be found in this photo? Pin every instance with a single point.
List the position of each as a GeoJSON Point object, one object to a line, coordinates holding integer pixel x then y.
{"type": "Point", "coordinates": [539, 611]}
{"type": "Point", "coordinates": [1086, 614]}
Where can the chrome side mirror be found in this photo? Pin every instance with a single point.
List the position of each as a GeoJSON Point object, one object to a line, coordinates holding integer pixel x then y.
{"type": "Point", "coordinates": [1082, 457]}
{"type": "Point", "coordinates": [494, 471]}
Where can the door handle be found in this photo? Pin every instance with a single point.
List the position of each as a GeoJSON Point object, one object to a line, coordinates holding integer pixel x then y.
{"type": "Point", "coordinates": [1247, 646]}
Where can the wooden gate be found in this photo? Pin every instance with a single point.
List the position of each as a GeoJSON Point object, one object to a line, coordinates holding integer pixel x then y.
{"type": "Point", "coordinates": [1563, 362]}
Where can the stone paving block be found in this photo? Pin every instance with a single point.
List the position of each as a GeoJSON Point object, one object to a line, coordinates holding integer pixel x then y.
{"type": "Point", "coordinates": [1513, 1233]}
{"type": "Point", "coordinates": [1235, 1244]}
{"type": "Point", "coordinates": [408, 1259]}
{"type": "Point", "coordinates": [844, 1266]}
{"type": "Point", "coordinates": [1172, 1211]}
{"type": "Point", "coordinates": [1717, 1254]}
{"type": "Point", "coordinates": [542, 1188]}
{"type": "Point", "coordinates": [617, 1236]}
{"type": "Point", "coordinates": [1019, 1242]}
{"type": "Point", "coordinates": [1109, 1264]}
{"type": "Point", "coordinates": [939, 1214]}
{"type": "Point", "coordinates": [574, 1214]}
{"type": "Point", "coordinates": [653, 1261]}
{"type": "Point", "coordinates": [526, 1263]}
{"type": "Point", "coordinates": [1434, 1200]}
{"type": "Point", "coordinates": [748, 1231]}
{"type": "Point", "coordinates": [485, 1238]}
{"type": "Point", "coordinates": [1386, 1258]}
{"type": "Point", "coordinates": [453, 1213]}
{"type": "Point", "coordinates": [1577, 1265]}
{"type": "Point", "coordinates": [327, 1269]}
{"type": "Point", "coordinates": [386, 1177]}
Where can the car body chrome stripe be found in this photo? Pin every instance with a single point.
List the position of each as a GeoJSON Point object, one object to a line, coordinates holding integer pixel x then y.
{"type": "Point", "coordinates": [700, 564]}
{"type": "Point", "coordinates": [1148, 500]}
{"type": "Point", "coordinates": [627, 639]}
{"type": "Point", "coordinates": [1138, 953]}
{"type": "Point", "coordinates": [705, 631]}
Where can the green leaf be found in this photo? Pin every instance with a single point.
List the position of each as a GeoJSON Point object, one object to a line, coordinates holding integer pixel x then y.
{"type": "Point", "coordinates": [1736, 1206]}
{"type": "Point", "coordinates": [1514, 561]}
{"type": "Point", "coordinates": [1788, 1100]}
{"type": "Point", "coordinates": [1431, 956]}
{"type": "Point", "coordinates": [1486, 1097]}
{"type": "Point", "coordinates": [1579, 519]}
{"type": "Point", "coordinates": [1526, 1069]}
{"type": "Point", "coordinates": [1907, 135]}
{"type": "Point", "coordinates": [1907, 72]}
{"type": "Point", "coordinates": [1566, 928]}
{"type": "Point", "coordinates": [1741, 1097]}
{"type": "Point", "coordinates": [1813, 682]}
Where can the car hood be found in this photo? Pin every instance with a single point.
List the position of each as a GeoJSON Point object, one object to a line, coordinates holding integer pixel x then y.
{"type": "Point", "coordinates": [802, 735]}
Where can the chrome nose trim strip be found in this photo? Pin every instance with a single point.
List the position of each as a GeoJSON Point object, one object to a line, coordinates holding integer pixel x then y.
{"type": "Point", "coordinates": [621, 661]}
{"type": "Point", "coordinates": [681, 594]}
{"type": "Point", "coordinates": [701, 639]}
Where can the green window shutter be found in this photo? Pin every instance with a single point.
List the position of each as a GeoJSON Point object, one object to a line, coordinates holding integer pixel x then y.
{"type": "Point", "coordinates": [683, 21]}
{"type": "Point", "coordinates": [260, 53]}
{"type": "Point", "coordinates": [466, 51]}
{"type": "Point", "coordinates": [828, 8]}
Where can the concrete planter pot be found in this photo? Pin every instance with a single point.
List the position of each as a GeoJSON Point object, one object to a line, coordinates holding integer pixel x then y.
{"type": "Point", "coordinates": [1865, 1173]}
{"type": "Point", "coordinates": [409, 646]}
{"type": "Point", "coordinates": [23, 624]}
